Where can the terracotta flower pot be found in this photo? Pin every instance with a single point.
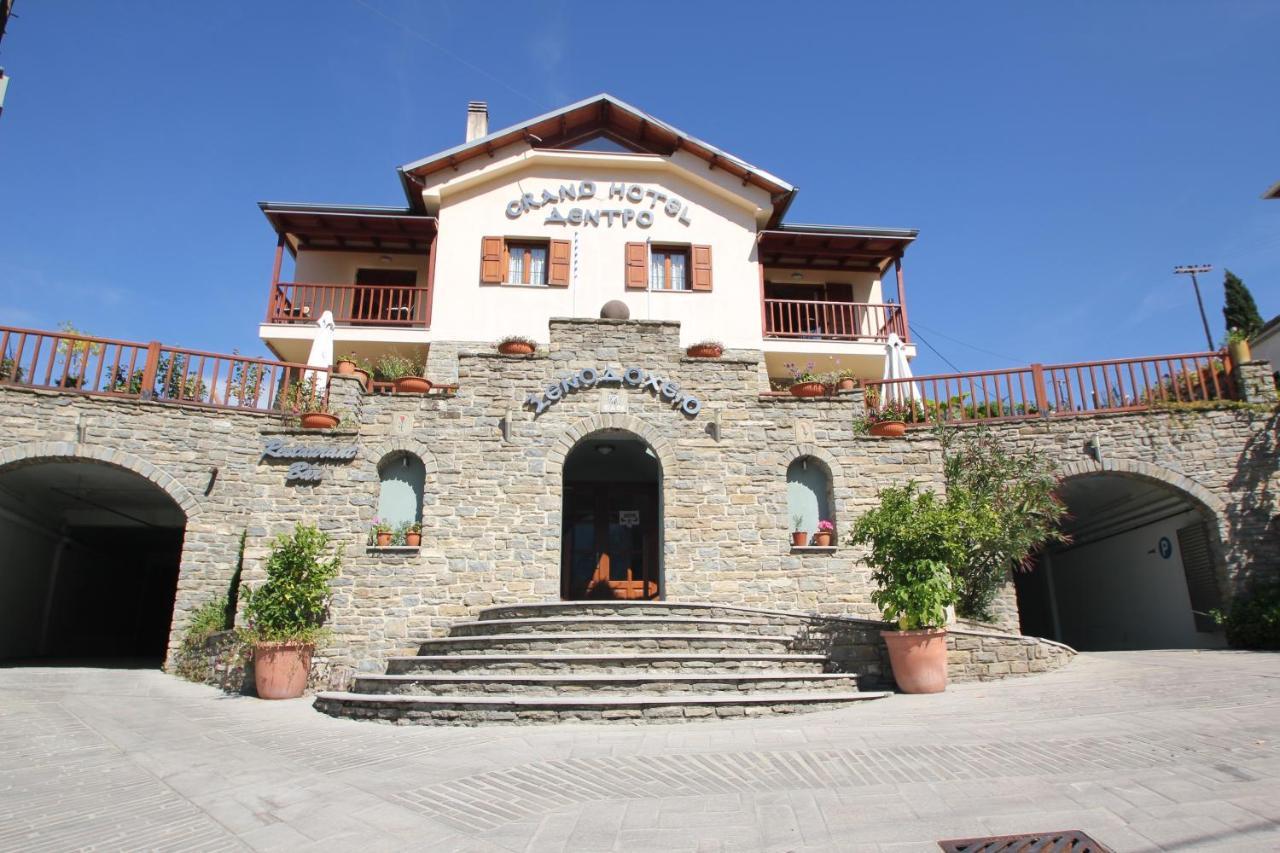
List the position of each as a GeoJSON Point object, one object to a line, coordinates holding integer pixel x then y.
{"type": "Point", "coordinates": [383, 539]}
{"type": "Point", "coordinates": [345, 367]}
{"type": "Point", "coordinates": [319, 420]}
{"type": "Point", "coordinates": [413, 539]}
{"type": "Point", "coordinates": [412, 385]}
{"type": "Point", "coordinates": [1239, 352]}
{"type": "Point", "coordinates": [919, 659]}
{"type": "Point", "coordinates": [799, 538]}
{"type": "Point", "coordinates": [280, 669]}
{"type": "Point", "coordinates": [889, 429]}
{"type": "Point", "coordinates": [515, 348]}
{"type": "Point", "coordinates": [704, 351]}
{"type": "Point", "coordinates": [809, 389]}
{"type": "Point", "coordinates": [822, 539]}
{"type": "Point", "coordinates": [846, 383]}
{"type": "Point", "coordinates": [363, 376]}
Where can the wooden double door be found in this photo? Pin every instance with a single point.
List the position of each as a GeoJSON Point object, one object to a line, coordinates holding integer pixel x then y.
{"type": "Point", "coordinates": [610, 541]}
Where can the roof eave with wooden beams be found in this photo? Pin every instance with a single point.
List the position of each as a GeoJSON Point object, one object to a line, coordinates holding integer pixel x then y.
{"type": "Point", "coordinates": [350, 229]}
{"type": "Point", "coordinates": [833, 247]}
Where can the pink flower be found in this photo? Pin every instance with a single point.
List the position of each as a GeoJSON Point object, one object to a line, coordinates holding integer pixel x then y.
{"type": "Point", "coordinates": [825, 526]}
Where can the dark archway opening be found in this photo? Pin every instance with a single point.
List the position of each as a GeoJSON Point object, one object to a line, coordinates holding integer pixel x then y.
{"type": "Point", "coordinates": [1139, 572]}
{"type": "Point", "coordinates": [89, 567]}
{"type": "Point", "coordinates": [611, 542]}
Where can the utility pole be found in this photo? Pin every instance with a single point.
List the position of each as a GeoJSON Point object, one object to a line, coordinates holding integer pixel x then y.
{"type": "Point", "coordinates": [1191, 270]}
{"type": "Point", "coordinates": [6, 9]}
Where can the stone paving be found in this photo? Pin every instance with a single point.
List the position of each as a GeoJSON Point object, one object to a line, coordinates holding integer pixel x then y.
{"type": "Point", "coordinates": [1143, 750]}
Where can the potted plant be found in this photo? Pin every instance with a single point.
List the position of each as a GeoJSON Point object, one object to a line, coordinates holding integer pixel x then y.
{"type": "Point", "coordinates": [806, 383]}
{"type": "Point", "coordinates": [517, 345]}
{"type": "Point", "coordinates": [310, 406]}
{"type": "Point", "coordinates": [826, 530]}
{"type": "Point", "coordinates": [285, 613]}
{"type": "Point", "coordinates": [382, 532]}
{"type": "Point", "coordinates": [411, 533]}
{"type": "Point", "coordinates": [914, 539]}
{"type": "Point", "coordinates": [404, 372]}
{"type": "Point", "coordinates": [705, 349]}
{"type": "Point", "coordinates": [1238, 347]}
{"type": "Point", "coordinates": [798, 537]}
{"type": "Point", "coordinates": [346, 364]}
{"type": "Point", "coordinates": [890, 420]}
{"type": "Point", "coordinates": [846, 381]}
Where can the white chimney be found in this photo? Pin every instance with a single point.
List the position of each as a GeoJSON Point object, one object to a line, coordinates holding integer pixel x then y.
{"type": "Point", "coordinates": [477, 120]}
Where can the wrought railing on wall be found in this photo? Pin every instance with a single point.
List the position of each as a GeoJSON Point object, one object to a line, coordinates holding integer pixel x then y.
{"type": "Point", "coordinates": [350, 304]}
{"type": "Point", "coordinates": [1056, 390]}
{"type": "Point", "coordinates": [152, 371]}
{"type": "Point", "coordinates": [831, 321]}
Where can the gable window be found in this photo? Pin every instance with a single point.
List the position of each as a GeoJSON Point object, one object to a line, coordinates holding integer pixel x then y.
{"type": "Point", "coordinates": [536, 263]}
{"type": "Point", "coordinates": [668, 268]}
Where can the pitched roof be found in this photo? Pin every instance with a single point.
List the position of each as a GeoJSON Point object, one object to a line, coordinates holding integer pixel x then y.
{"type": "Point", "coordinates": [601, 115]}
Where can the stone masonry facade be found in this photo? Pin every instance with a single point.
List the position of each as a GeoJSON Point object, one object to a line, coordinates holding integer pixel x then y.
{"type": "Point", "coordinates": [493, 492]}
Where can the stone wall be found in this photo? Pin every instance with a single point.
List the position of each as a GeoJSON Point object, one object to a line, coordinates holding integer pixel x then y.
{"type": "Point", "coordinates": [984, 656]}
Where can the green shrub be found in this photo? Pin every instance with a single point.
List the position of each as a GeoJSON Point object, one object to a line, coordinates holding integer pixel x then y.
{"type": "Point", "coordinates": [914, 541]}
{"type": "Point", "coordinates": [1253, 622]}
{"type": "Point", "coordinates": [292, 604]}
{"type": "Point", "coordinates": [190, 661]}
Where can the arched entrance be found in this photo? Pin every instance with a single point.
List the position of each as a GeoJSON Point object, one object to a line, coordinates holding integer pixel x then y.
{"type": "Point", "coordinates": [89, 568]}
{"type": "Point", "coordinates": [611, 541]}
{"type": "Point", "coordinates": [1140, 571]}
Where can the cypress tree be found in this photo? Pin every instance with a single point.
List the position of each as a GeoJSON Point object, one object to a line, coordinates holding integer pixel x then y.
{"type": "Point", "coordinates": [1239, 309]}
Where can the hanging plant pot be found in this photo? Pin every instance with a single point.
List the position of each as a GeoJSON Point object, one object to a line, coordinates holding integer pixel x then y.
{"type": "Point", "coordinates": [822, 539]}
{"type": "Point", "coordinates": [846, 384]}
{"type": "Point", "coordinates": [515, 348]}
{"type": "Point", "coordinates": [919, 659]}
{"type": "Point", "coordinates": [889, 429]}
{"type": "Point", "coordinates": [412, 385]}
{"type": "Point", "coordinates": [345, 367]}
{"type": "Point", "coordinates": [799, 539]}
{"type": "Point", "coordinates": [318, 420]}
{"type": "Point", "coordinates": [280, 669]}
{"type": "Point", "coordinates": [809, 389]}
{"type": "Point", "coordinates": [383, 539]}
{"type": "Point", "coordinates": [413, 539]}
{"type": "Point", "coordinates": [705, 351]}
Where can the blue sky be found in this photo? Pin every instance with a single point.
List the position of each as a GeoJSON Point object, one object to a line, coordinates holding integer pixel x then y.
{"type": "Point", "coordinates": [1058, 158]}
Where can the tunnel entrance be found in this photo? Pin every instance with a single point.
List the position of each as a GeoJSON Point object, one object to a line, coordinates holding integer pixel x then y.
{"type": "Point", "coordinates": [89, 564]}
{"type": "Point", "coordinates": [1139, 572]}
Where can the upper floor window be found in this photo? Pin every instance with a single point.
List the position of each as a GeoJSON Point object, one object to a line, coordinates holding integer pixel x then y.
{"type": "Point", "coordinates": [530, 262]}
{"type": "Point", "coordinates": [674, 268]}
{"type": "Point", "coordinates": [668, 268]}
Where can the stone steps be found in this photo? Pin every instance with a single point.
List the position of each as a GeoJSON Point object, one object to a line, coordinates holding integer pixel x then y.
{"type": "Point", "coordinates": [601, 684]}
{"type": "Point", "coordinates": [603, 661]}
{"type": "Point", "coordinates": [659, 662]}
{"type": "Point", "coordinates": [522, 709]}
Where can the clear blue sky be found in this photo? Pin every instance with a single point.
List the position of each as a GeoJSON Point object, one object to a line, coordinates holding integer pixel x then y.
{"type": "Point", "coordinates": [1058, 158]}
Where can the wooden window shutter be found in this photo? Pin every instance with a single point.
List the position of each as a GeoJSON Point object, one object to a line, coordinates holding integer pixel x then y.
{"type": "Point", "coordinates": [701, 267]}
{"type": "Point", "coordinates": [491, 260]}
{"type": "Point", "coordinates": [558, 269]}
{"type": "Point", "coordinates": [637, 266]}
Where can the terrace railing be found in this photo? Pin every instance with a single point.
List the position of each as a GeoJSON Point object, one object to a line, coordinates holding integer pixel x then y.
{"type": "Point", "coordinates": [832, 321]}
{"type": "Point", "coordinates": [152, 371]}
{"type": "Point", "coordinates": [1058, 390]}
{"type": "Point", "coordinates": [351, 304]}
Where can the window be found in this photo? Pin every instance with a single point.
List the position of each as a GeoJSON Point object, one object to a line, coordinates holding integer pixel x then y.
{"type": "Point", "coordinates": [402, 477]}
{"type": "Point", "coordinates": [536, 263]}
{"type": "Point", "coordinates": [668, 268]}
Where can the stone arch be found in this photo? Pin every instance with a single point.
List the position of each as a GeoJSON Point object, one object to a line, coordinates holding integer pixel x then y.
{"type": "Point", "coordinates": [579, 430]}
{"type": "Point", "coordinates": [835, 477]}
{"type": "Point", "coordinates": [375, 453]}
{"type": "Point", "coordinates": [55, 450]}
{"type": "Point", "coordinates": [1211, 503]}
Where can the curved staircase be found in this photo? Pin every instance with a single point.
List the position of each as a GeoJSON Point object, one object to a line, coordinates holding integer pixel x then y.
{"type": "Point", "coordinates": [602, 661]}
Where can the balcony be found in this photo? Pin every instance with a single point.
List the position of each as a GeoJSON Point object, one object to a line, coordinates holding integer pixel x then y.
{"type": "Point", "coordinates": [394, 306]}
{"type": "Point", "coordinates": [799, 319]}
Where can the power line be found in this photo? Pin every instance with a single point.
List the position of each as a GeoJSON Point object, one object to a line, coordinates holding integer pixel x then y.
{"type": "Point", "coordinates": [448, 52]}
{"type": "Point", "coordinates": [916, 325]}
{"type": "Point", "coordinates": [935, 349]}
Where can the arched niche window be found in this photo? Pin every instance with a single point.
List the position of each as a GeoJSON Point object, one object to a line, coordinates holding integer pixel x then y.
{"type": "Point", "coordinates": [808, 494]}
{"type": "Point", "coordinates": [402, 476]}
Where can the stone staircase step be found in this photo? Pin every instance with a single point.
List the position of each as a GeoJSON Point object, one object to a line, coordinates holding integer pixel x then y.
{"type": "Point", "coordinates": [659, 662]}
{"type": "Point", "coordinates": [611, 642]}
{"type": "Point", "coordinates": [605, 624]}
{"type": "Point", "coordinates": [649, 708]}
{"type": "Point", "coordinates": [628, 609]}
{"type": "Point", "coordinates": [600, 684]}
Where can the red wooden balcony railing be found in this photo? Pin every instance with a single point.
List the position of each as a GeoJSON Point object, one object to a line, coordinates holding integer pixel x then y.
{"type": "Point", "coordinates": [351, 304]}
{"type": "Point", "coordinates": [1055, 390]}
{"type": "Point", "coordinates": [153, 371]}
{"type": "Point", "coordinates": [832, 321]}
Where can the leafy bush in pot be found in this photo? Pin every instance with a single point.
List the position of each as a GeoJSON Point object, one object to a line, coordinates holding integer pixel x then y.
{"type": "Point", "coordinates": [292, 604]}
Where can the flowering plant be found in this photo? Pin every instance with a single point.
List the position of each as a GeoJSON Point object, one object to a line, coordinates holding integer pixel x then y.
{"type": "Point", "coordinates": [825, 526]}
{"type": "Point", "coordinates": [380, 526]}
{"type": "Point", "coordinates": [896, 412]}
{"type": "Point", "coordinates": [806, 375]}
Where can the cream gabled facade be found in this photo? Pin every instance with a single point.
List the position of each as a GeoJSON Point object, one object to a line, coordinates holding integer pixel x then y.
{"type": "Point", "coordinates": [557, 216]}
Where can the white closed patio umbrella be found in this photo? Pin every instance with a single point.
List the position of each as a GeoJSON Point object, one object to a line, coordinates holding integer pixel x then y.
{"type": "Point", "coordinates": [321, 352]}
{"type": "Point", "coordinates": [897, 367]}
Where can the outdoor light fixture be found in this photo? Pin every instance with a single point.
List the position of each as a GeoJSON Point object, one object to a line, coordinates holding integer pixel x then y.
{"type": "Point", "coordinates": [604, 449]}
{"type": "Point", "coordinates": [797, 275]}
{"type": "Point", "coordinates": [385, 259]}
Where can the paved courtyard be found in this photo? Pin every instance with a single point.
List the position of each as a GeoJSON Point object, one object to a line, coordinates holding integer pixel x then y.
{"type": "Point", "coordinates": [1144, 751]}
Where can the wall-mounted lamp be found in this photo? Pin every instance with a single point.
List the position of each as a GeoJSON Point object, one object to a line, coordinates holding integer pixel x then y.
{"type": "Point", "coordinates": [797, 275]}
{"type": "Point", "coordinates": [384, 259]}
{"type": "Point", "coordinates": [604, 449]}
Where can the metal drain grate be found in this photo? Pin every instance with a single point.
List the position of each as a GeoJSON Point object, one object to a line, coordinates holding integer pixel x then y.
{"type": "Point", "coordinates": [1069, 841]}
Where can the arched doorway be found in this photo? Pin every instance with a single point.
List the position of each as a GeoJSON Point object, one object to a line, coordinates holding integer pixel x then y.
{"type": "Point", "coordinates": [611, 541]}
{"type": "Point", "coordinates": [1140, 571]}
{"type": "Point", "coordinates": [89, 568]}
